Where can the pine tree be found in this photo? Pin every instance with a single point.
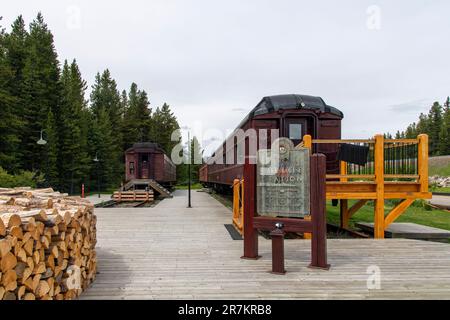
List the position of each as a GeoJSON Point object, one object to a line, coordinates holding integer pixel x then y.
{"type": "Point", "coordinates": [79, 87]}
{"type": "Point", "coordinates": [123, 109]}
{"type": "Point", "coordinates": [423, 125]}
{"type": "Point", "coordinates": [145, 117]}
{"type": "Point", "coordinates": [102, 146]}
{"type": "Point", "coordinates": [51, 151]}
{"type": "Point", "coordinates": [399, 135]}
{"type": "Point", "coordinates": [41, 90]}
{"type": "Point", "coordinates": [435, 125]}
{"type": "Point", "coordinates": [106, 100]}
{"type": "Point", "coordinates": [123, 103]}
{"type": "Point", "coordinates": [15, 55]}
{"type": "Point", "coordinates": [86, 130]}
{"type": "Point", "coordinates": [131, 119]}
{"type": "Point", "coordinates": [196, 158]}
{"type": "Point", "coordinates": [8, 120]}
{"type": "Point", "coordinates": [444, 134]}
{"type": "Point", "coordinates": [96, 99]}
{"type": "Point", "coordinates": [106, 96]}
{"type": "Point", "coordinates": [16, 43]}
{"type": "Point", "coordinates": [75, 161]}
{"type": "Point", "coordinates": [411, 131]}
{"type": "Point", "coordinates": [36, 96]}
{"type": "Point", "coordinates": [164, 123]}
{"type": "Point", "coordinates": [137, 118]}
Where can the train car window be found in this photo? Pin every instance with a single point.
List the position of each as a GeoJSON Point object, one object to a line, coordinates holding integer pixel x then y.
{"type": "Point", "coordinates": [295, 131]}
{"type": "Point", "coordinates": [132, 168]}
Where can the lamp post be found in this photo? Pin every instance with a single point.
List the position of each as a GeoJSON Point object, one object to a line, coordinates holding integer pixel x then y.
{"type": "Point", "coordinates": [189, 164]}
{"type": "Point", "coordinates": [189, 169]}
{"type": "Point", "coordinates": [43, 142]}
{"type": "Point", "coordinates": [97, 161]}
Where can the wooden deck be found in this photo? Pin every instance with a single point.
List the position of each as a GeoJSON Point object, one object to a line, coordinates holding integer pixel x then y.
{"type": "Point", "coordinates": [171, 252]}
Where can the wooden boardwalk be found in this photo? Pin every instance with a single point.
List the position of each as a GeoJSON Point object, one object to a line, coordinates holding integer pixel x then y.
{"type": "Point", "coordinates": [171, 252]}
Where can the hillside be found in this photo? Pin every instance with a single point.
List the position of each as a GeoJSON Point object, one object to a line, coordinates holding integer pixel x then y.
{"type": "Point", "coordinates": [440, 166]}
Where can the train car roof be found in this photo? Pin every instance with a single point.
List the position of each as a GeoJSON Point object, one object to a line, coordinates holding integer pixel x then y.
{"type": "Point", "coordinates": [284, 102]}
{"type": "Point", "coordinates": [145, 147]}
{"type": "Point", "coordinates": [291, 101]}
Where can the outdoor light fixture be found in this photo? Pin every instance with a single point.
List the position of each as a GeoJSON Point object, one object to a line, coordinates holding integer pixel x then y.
{"type": "Point", "coordinates": [279, 225]}
{"type": "Point", "coordinates": [41, 141]}
{"type": "Point", "coordinates": [96, 160]}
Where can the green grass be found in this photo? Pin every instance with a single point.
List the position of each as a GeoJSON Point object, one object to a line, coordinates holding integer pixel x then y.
{"type": "Point", "coordinates": [440, 189]}
{"type": "Point", "coordinates": [414, 214]}
{"type": "Point", "coordinates": [194, 186]}
{"type": "Point", "coordinates": [443, 170]}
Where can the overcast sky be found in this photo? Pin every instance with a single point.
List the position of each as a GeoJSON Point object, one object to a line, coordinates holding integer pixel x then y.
{"type": "Point", "coordinates": [380, 62]}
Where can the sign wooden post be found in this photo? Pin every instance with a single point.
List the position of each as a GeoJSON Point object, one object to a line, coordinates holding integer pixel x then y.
{"type": "Point", "coordinates": [318, 213]}
{"type": "Point", "coordinates": [250, 233]}
{"type": "Point", "coordinates": [277, 236]}
{"type": "Point", "coordinates": [279, 225]}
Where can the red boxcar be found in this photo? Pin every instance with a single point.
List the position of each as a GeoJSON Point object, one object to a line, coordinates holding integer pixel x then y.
{"type": "Point", "coordinates": [294, 116]}
{"type": "Point", "coordinates": [146, 160]}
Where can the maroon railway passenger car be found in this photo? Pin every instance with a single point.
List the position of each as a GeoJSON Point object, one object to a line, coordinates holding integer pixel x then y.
{"type": "Point", "coordinates": [146, 160]}
{"type": "Point", "coordinates": [294, 116]}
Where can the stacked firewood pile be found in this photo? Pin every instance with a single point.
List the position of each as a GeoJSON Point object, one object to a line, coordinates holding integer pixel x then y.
{"type": "Point", "coordinates": [47, 244]}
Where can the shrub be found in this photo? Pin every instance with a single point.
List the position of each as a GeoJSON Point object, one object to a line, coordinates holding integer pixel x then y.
{"type": "Point", "coordinates": [22, 179]}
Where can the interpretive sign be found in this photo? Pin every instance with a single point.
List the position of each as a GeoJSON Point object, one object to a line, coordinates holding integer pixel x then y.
{"type": "Point", "coordinates": [283, 183]}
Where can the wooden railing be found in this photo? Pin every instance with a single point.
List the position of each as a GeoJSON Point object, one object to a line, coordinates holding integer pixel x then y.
{"type": "Point", "coordinates": [238, 205]}
{"type": "Point", "coordinates": [388, 160]}
{"type": "Point", "coordinates": [396, 169]}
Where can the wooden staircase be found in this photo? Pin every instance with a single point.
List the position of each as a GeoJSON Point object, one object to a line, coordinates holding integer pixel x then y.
{"type": "Point", "coordinates": [132, 184]}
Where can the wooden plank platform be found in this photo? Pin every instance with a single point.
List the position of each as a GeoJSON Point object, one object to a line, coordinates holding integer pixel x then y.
{"type": "Point", "coordinates": [441, 201]}
{"type": "Point", "coordinates": [133, 196]}
{"type": "Point", "coordinates": [409, 231]}
{"type": "Point", "coordinates": [172, 252]}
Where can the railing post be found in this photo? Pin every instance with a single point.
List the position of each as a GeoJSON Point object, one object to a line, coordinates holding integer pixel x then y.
{"type": "Point", "coordinates": [307, 141]}
{"type": "Point", "coordinates": [250, 233]}
{"type": "Point", "coordinates": [343, 170]}
{"type": "Point", "coordinates": [343, 203]}
{"type": "Point", "coordinates": [236, 186]}
{"type": "Point", "coordinates": [241, 209]}
{"type": "Point", "coordinates": [318, 212]}
{"type": "Point", "coordinates": [379, 180]}
{"type": "Point", "coordinates": [423, 162]}
{"type": "Point", "coordinates": [238, 200]}
{"type": "Point", "coordinates": [343, 206]}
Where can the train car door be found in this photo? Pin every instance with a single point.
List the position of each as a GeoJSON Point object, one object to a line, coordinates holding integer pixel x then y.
{"type": "Point", "coordinates": [295, 129]}
{"type": "Point", "coordinates": [144, 166]}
